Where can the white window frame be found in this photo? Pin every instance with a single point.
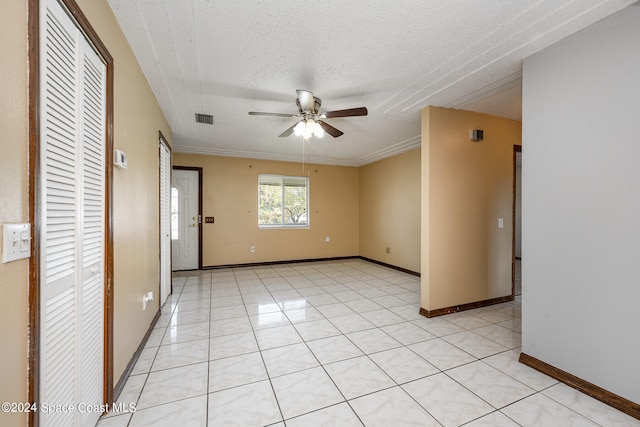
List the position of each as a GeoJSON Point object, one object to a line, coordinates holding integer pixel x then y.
{"type": "Point", "coordinates": [283, 179]}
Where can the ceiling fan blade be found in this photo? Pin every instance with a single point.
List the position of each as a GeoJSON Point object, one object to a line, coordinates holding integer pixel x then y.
{"type": "Point", "coordinates": [289, 131]}
{"type": "Point", "coordinates": [305, 100]}
{"type": "Point", "coordinates": [330, 129]}
{"type": "Point", "coordinates": [260, 113]}
{"type": "Point", "coordinates": [349, 112]}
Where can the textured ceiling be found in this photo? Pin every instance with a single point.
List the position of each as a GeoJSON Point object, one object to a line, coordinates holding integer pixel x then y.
{"type": "Point", "coordinates": [229, 57]}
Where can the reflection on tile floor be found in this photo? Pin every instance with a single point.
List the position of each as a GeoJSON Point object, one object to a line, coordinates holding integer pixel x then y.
{"type": "Point", "coordinates": [338, 343]}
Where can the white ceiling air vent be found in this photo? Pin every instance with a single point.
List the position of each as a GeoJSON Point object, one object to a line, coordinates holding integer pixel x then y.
{"type": "Point", "coordinates": [204, 118]}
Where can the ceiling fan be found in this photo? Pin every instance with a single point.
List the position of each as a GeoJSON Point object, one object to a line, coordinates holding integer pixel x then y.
{"type": "Point", "coordinates": [311, 121]}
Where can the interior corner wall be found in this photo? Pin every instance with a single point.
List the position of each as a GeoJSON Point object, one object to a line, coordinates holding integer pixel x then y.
{"type": "Point", "coordinates": [14, 208]}
{"type": "Point", "coordinates": [230, 195]}
{"type": "Point", "coordinates": [581, 204]}
{"type": "Point", "coordinates": [466, 257]}
{"type": "Point", "coordinates": [390, 210]}
{"type": "Point", "coordinates": [137, 120]}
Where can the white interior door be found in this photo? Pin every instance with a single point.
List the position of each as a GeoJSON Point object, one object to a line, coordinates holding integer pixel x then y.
{"type": "Point", "coordinates": [185, 219]}
{"type": "Point", "coordinates": [165, 224]}
{"type": "Point", "coordinates": [71, 193]}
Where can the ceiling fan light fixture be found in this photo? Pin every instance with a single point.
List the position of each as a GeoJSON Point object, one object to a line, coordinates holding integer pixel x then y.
{"type": "Point", "coordinates": [300, 128]}
{"type": "Point", "coordinates": [308, 128]}
{"type": "Point", "coordinates": [311, 119]}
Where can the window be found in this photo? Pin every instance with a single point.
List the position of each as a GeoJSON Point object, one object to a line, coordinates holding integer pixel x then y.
{"type": "Point", "coordinates": [283, 201]}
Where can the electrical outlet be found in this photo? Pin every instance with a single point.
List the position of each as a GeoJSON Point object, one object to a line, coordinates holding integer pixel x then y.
{"type": "Point", "coordinates": [253, 249]}
{"type": "Point", "coordinates": [327, 239]}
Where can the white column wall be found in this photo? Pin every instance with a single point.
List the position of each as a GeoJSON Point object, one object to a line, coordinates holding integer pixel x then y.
{"type": "Point", "coordinates": [581, 204]}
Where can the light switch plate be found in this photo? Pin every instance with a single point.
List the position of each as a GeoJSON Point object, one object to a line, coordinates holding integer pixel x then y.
{"type": "Point", "coordinates": [16, 242]}
{"type": "Point", "coordinates": [500, 222]}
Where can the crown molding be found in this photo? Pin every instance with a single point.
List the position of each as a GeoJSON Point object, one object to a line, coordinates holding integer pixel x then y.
{"type": "Point", "coordinates": [212, 151]}
{"type": "Point", "coordinates": [384, 153]}
{"type": "Point", "coordinates": [394, 150]}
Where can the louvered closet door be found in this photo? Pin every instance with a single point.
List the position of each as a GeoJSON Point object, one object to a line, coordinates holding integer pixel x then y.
{"type": "Point", "coordinates": [165, 223]}
{"type": "Point", "coordinates": [91, 297]}
{"type": "Point", "coordinates": [71, 191]}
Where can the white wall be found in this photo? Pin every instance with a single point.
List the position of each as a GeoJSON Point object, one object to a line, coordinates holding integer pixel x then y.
{"type": "Point", "coordinates": [581, 204]}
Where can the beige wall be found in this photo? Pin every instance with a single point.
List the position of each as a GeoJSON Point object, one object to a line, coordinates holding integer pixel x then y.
{"type": "Point", "coordinates": [468, 186]}
{"type": "Point", "coordinates": [230, 195]}
{"type": "Point", "coordinates": [137, 120]}
{"type": "Point", "coordinates": [390, 210]}
{"type": "Point", "coordinates": [14, 279]}
{"type": "Point", "coordinates": [135, 214]}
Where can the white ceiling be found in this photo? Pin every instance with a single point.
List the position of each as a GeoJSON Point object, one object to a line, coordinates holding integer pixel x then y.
{"type": "Point", "coordinates": [229, 57]}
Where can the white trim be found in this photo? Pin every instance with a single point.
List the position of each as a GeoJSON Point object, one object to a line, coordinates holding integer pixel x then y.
{"type": "Point", "coordinates": [394, 150]}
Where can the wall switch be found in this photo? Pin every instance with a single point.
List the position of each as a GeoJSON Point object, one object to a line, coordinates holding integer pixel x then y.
{"type": "Point", "coordinates": [327, 239]}
{"type": "Point", "coordinates": [500, 222]}
{"type": "Point", "coordinates": [16, 242]}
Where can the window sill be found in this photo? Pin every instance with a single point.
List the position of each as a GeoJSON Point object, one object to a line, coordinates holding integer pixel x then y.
{"type": "Point", "coordinates": [286, 227]}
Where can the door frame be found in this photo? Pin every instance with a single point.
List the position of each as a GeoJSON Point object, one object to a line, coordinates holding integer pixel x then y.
{"type": "Point", "coordinates": [199, 170]}
{"type": "Point", "coordinates": [516, 149]}
{"type": "Point", "coordinates": [35, 210]}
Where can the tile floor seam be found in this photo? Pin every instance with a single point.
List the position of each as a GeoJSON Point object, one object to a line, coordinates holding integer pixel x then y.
{"type": "Point", "coordinates": [264, 365]}
{"type": "Point", "coordinates": [338, 388]}
{"type": "Point", "coordinates": [322, 365]}
{"type": "Point", "coordinates": [482, 416]}
{"type": "Point", "coordinates": [139, 394]}
{"type": "Point", "coordinates": [208, 386]}
{"type": "Point", "coordinates": [564, 405]}
{"type": "Point", "coordinates": [559, 403]}
{"type": "Point", "coordinates": [418, 403]}
{"type": "Point", "coordinates": [509, 375]}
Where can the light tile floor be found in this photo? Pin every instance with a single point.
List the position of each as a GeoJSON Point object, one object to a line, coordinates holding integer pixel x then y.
{"type": "Point", "coordinates": [338, 344]}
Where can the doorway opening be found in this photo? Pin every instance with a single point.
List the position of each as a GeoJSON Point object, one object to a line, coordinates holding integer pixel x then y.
{"type": "Point", "coordinates": [516, 272]}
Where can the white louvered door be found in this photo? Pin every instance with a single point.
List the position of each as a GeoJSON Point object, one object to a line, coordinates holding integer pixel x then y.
{"type": "Point", "coordinates": [165, 223]}
{"type": "Point", "coordinates": [72, 203]}
{"type": "Point", "coordinates": [91, 297]}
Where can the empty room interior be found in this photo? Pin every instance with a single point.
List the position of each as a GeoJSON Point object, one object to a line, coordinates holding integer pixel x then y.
{"type": "Point", "coordinates": [256, 213]}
